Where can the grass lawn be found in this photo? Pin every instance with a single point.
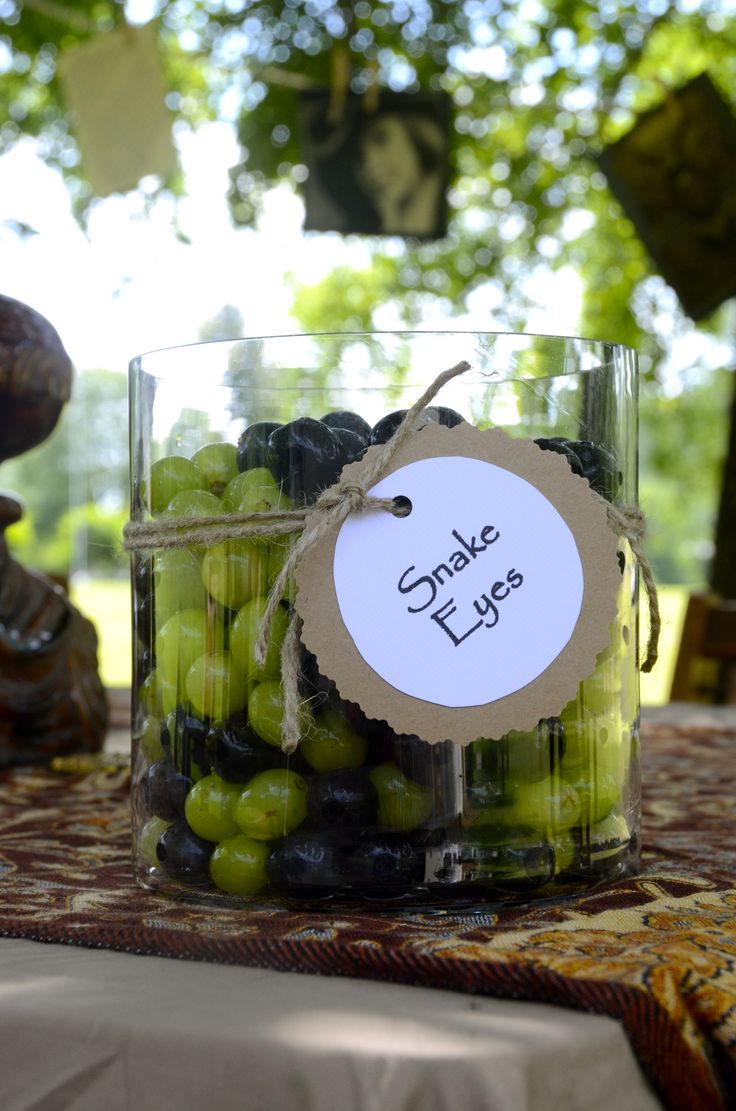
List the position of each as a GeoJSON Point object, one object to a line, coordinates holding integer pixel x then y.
{"type": "Point", "coordinates": [107, 603]}
{"type": "Point", "coordinates": [655, 687]}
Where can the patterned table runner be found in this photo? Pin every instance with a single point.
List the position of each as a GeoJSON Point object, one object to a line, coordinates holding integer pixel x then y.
{"type": "Point", "coordinates": [657, 952]}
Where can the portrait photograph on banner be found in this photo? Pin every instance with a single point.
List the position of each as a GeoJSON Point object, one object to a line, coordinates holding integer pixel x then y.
{"type": "Point", "coordinates": [378, 168]}
{"type": "Point", "coordinates": [674, 175]}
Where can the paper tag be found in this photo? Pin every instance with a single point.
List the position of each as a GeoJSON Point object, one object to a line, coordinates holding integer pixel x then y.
{"type": "Point", "coordinates": [482, 609]}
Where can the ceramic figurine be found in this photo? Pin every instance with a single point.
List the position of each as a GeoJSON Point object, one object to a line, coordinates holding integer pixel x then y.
{"type": "Point", "coordinates": [51, 697]}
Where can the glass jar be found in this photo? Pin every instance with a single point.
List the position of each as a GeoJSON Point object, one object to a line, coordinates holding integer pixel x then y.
{"type": "Point", "coordinates": [357, 814]}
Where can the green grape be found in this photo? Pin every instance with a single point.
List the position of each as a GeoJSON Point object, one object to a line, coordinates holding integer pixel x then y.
{"type": "Point", "coordinates": [277, 552]}
{"type": "Point", "coordinates": [266, 711]}
{"type": "Point", "coordinates": [607, 731]}
{"type": "Point", "coordinates": [238, 865]}
{"type": "Point", "coordinates": [244, 633]}
{"type": "Point", "coordinates": [503, 855]}
{"type": "Point", "coordinates": [615, 641]}
{"type": "Point", "coordinates": [177, 582]}
{"type": "Point", "coordinates": [598, 792]}
{"type": "Point", "coordinates": [254, 491]}
{"type": "Point", "coordinates": [148, 839]}
{"type": "Point", "coordinates": [193, 503]}
{"type": "Point", "coordinates": [577, 738]}
{"type": "Point", "coordinates": [148, 697]}
{"type": "Point", "coordinates": [613, 748]}
{"type": "Point", "coordinates": [595, 742]}
{"type": "Point", "coordinates": [330, 744]}
{"type": "Point", "coordinates": [149, 738]}
{"type": "Point", "coordinates": [215, 686]}
{"type": "Point", "coordinates": [185, 637]}
{"type": "Point", "coordinates": [234, 572]}
{"type": "Point", "coordinates": [167, 477]}
{"type": "Point", "coordinates": [607, 837]}
{"type": "Point", "coordinates": [218, 463]}
{"type": "Point", "coordinates": [271, 804]}
{"type": "Point", "coordinates": [551, 805]}
{"type": "Point", "coordinates": [486, 804]}
{"type": "Point", "coordinates": [565, 849]}
{"type": "Point", "coordinates": [526, 856]}
{"type": "Point", "coordinates": [599, 692]}
{"type": "Point", "coordinates": [518, 755]}
{"type": "Point", "coordinates": [157, 695]}
{"type": "Point", "coordinates": [209, 808]}
{"type": "Point", "coordinates": [402, 803]}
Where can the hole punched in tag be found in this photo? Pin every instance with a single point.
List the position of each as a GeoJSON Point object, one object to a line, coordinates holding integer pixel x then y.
{"type": "Point", "coordinates": [402, 506]}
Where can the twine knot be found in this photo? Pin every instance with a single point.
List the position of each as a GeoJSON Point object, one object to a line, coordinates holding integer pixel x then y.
{"type": "Point", "coordinates": [631, 518]}
{"type": "Point", "coordinates": [351, 493]}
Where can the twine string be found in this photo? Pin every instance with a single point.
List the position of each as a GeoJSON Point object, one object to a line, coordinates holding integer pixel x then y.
{"type": "Point", "coordinates": [333, 506]}
{"type": "Point", "coordinates": [629, 521]}
{"type": "Point", "coordinates": [291, 727]}
{"type": "Point", "coordinates": [180, 532]}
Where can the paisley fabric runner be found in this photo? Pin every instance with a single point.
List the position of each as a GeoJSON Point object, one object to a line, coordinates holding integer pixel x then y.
{"type": "Point", "coordinates": [656, 952]}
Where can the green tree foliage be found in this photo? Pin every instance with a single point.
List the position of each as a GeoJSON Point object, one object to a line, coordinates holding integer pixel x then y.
{"type": "Point", "coordinates": [538, 89]}
{"type": "Point", "coordinates": [40, 481]}
{"type": "Point", "coordinates": [85, 538]}
{"type": "Point", "coordinates": [75, 484]}
{"type": "Point", "coordinates": [682, 448]}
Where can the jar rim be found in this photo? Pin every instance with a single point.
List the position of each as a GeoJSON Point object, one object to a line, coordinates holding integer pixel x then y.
{"type": "Point", "coordinates": [377, 334]}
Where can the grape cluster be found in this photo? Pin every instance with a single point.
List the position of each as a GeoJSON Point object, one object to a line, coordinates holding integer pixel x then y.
{"type": "Point", "coordinates": [358, 809]}
{"type": "Point", "coordinates": [590, 460]}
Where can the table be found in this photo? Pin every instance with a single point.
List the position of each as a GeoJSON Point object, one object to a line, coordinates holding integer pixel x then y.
{"type": "Point", "coordinates": [83, 1030]}
{"type": "Point", "coordinates": [617, 999]}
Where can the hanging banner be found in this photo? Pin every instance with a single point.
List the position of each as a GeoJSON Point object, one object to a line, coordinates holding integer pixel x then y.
{"type": "Point", "coordinates": [377, 167]}
{"type": "Point", "coordinates": [674, 175]}
{"type": "Point", "coordinates": [115, 88]}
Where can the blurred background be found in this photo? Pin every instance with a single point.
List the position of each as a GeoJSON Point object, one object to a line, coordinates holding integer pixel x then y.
{"type": "Point", "coordinates": [152, 193]}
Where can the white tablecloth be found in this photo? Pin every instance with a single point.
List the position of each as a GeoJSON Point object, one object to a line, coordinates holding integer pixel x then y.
{"type": "Point", "coordinates": [91, 1030]}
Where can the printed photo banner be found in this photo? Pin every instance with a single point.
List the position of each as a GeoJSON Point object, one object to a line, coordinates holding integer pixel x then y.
{"type": "Point", "coordinates": [378, 169]}
{"type": "Point", "coordinates": [674, 175]}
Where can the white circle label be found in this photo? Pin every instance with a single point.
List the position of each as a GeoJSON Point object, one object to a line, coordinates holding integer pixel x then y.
{"type": "Point", "coordinates": [479, 612]}
{"type": "Point", "coordinates": [468, 598]}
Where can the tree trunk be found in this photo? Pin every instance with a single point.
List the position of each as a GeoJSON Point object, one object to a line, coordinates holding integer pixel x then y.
{"type": "Point", "coordinates": [723, 570]}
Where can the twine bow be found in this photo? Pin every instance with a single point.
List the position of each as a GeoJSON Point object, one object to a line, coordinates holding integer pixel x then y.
{"type": "Point", "coordinates": [333, 506]}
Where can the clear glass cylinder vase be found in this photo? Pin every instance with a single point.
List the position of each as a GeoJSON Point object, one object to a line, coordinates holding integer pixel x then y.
{"type": "Point", "coordinates": [358, 814]}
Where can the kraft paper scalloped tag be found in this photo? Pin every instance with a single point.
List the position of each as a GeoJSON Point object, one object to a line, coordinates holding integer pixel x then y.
{"type": "Point", "coordinates": [479, 612]}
